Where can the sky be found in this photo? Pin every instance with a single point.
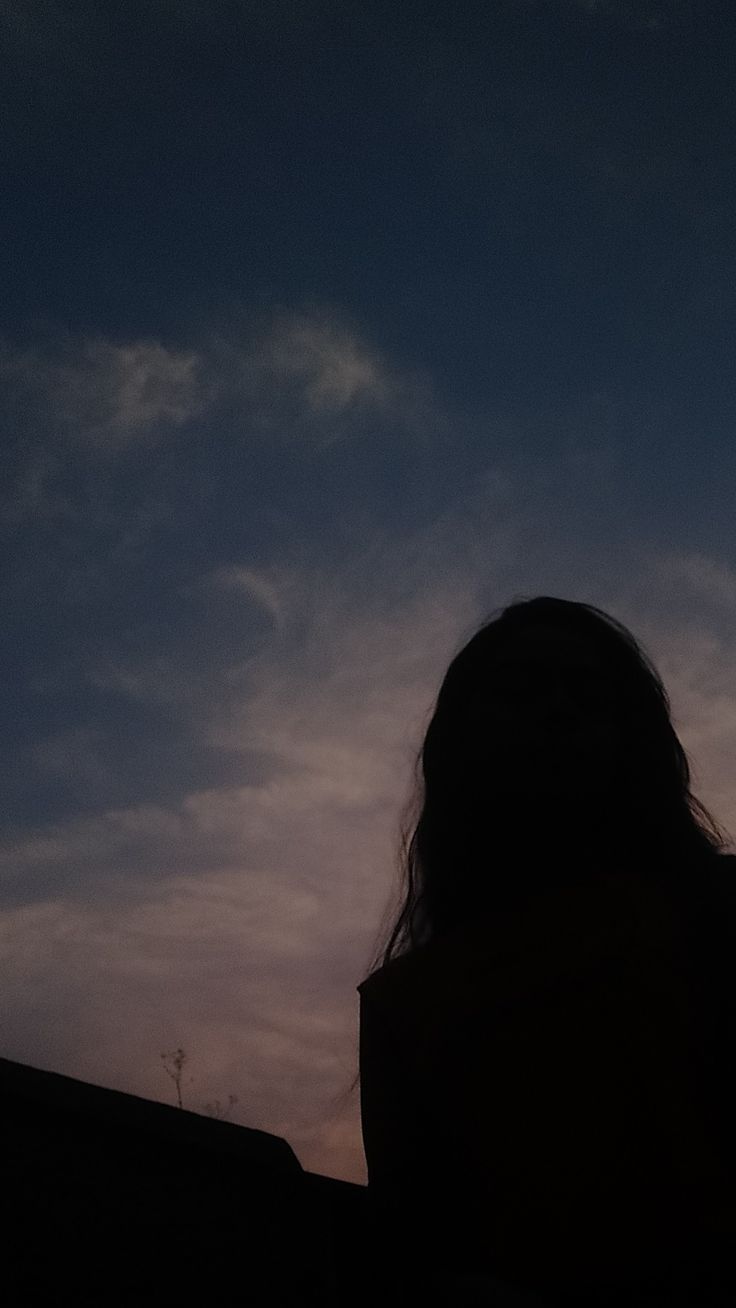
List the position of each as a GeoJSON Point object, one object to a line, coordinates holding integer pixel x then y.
{"type": "Point", "coordinates": [325, 331]}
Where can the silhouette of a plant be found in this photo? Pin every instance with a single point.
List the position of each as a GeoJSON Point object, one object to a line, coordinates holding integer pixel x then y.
{"type": "Point", "coordinates": [216, 1110]}
{"type": "Point", "coordinates": [178, 1059]}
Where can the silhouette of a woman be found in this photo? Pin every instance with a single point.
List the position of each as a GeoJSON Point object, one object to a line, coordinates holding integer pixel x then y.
{"type": "Point", "coordinates": [545, 1042]}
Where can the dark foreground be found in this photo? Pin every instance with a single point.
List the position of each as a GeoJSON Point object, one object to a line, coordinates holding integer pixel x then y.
{"type": "Point", "coordinates": [112, 1199]}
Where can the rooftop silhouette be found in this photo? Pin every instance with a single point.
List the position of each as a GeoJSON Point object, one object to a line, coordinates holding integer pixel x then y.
{"type": "Point", "coordinates": [114, 1199]}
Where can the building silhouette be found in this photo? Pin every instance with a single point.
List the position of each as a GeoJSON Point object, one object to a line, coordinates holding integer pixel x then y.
{"type": "Point", "coordinates": [113, 1199]}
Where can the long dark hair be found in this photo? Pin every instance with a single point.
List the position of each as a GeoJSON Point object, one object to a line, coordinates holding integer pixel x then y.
{"type": "Point", "coordinates": [465, 842]}
{"type": "Point", "coordinates": [653, 813]}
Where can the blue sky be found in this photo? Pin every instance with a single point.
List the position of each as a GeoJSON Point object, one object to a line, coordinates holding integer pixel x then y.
{"type": "Point", "coordinates": [325, 331]}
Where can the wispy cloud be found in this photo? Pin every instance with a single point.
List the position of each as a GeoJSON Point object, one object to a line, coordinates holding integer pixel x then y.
{"type": "Point", "coordinates": [708, 580]}
{"type": "Point", "coordinates": [271, 373]}
{"type": "Point", "coordinates": [335, 366]}
{"type": "Point", "coordinates": [312, 375]}
{"type": "Point", "coordinates": [106, 394]}
{"type": "Point", "coordinates": [33, 492]}
{"type": "Point", "coordinates": [255, 585]}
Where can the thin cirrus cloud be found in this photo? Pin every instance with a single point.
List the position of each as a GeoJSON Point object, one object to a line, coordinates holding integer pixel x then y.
{"type": "Point", "coordinates": [102, 393]}
{"type": "Point", "coordinates": [310, 375]}
{"type": "Point", "coordinates": [334, 367]}
{"type": "Point", "coordinates": [711, 580]}
{"type": "Point", "coordinates": [254, 584]}
{"type": "Point", "coordinates": [336, 370]}
{"type": "Point", "coordinates": [110, 396]}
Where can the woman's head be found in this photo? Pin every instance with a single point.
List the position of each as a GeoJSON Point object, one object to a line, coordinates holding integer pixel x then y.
{"type": "Point", "coordinates": [549, 699]}
{"type": "Point", "coordinates": [550, 752]}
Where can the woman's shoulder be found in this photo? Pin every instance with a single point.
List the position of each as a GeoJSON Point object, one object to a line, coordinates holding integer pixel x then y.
{"type": "Point", "coordinates": [567, 928]}
{"type": "Point", "coordinates": [513, 946]}
{"type": "Point", "coordinates": [720, 872]}
{"type": "Point", "coordinates": [390, 974]}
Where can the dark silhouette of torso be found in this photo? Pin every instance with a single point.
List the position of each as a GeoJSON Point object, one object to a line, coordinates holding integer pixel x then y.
{"type": "Point", "coordinates": [546, 1092]}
